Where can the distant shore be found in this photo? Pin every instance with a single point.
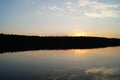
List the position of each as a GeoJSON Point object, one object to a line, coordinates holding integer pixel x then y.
{"type": "Point", "coordinates": [11, 43]}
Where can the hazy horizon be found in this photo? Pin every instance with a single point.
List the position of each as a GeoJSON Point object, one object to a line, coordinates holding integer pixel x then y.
{"type": "Point", "coordinates": [60, 17]}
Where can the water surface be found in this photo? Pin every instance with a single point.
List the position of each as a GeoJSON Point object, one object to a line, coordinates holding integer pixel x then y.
{"type": "Point", "coordinates": [84, 64]}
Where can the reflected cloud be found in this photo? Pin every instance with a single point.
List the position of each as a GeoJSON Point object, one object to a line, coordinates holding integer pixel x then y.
{"type": "Point", "coordinates": [103, 73]}
{"type": "Point", "coordinates": [102, 70]}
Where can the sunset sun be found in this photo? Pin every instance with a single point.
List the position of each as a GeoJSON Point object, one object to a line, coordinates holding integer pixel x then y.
{"type": "Point", "coordinates": [80, 34]}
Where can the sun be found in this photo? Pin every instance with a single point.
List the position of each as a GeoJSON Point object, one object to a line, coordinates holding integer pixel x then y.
{"type": "Point", "coordinates": [79, 34]}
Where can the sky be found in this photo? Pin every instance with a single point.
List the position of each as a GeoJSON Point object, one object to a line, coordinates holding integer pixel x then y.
{"type": "Point", "coordinates": [60, 17]}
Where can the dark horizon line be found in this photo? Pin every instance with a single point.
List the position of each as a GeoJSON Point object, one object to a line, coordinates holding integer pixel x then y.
{"type": "Point", "coordinates": [11, 43]}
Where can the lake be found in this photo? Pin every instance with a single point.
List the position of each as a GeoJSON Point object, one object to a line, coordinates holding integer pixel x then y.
{"type": "Point", "coordinates": [71, 64]}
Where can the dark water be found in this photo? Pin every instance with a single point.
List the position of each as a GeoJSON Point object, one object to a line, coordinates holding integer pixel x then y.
{"type": "Point", "coordinates": [79, 64]}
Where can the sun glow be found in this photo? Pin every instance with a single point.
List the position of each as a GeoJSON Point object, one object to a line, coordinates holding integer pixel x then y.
{"type": "Point", "coordinates": [80, 34]}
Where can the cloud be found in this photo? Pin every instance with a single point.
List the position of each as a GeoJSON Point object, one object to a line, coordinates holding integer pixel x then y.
{"type": "Point", "coordinates": [96, 4]}
{"type": "Point", "coordinates": [83, 2]}
{"type": "Point", "coordinates": [87, 8]}
{"type": "Point", "coordinates": [101, 13]}
{"type": "Point", "coordinates": [54, 8]}
{"type": "Point", "coordinates": [56, 11]}
{"type": "Point", "coordinates": [70, 6]}
{"type": "Point", "coordinates": [97, 9]}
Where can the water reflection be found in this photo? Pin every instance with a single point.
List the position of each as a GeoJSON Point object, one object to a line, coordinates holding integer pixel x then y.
{"type": "Point", "coordinates": [79, 51]}
{"type": "Point", "coordinates": [101, 73]}
{"type": "Point", "coordinates": [86, 64]}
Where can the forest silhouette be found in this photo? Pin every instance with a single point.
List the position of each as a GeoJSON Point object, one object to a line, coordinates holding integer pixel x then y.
{"type": "Point", "coordinates": [11, 43]}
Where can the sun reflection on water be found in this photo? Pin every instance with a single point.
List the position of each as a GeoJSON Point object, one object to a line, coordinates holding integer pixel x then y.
{"type": "Point", "coordinates": [79, 51]}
